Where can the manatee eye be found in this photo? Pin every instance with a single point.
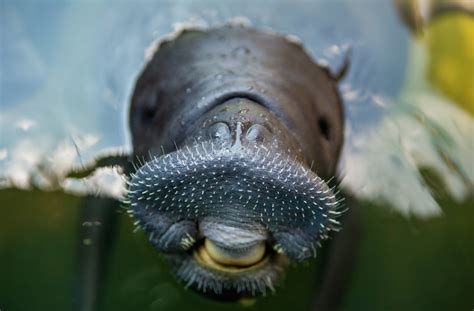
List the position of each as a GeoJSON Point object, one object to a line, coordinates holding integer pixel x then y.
{"type": "Point", "coordinates": [220, 131]}
{"type": "Point", "coordinates": [148, 105]}
{"type": "Point", "coordinates": [148, 113]}
{"type": "Point", "coordinates": [257, 133]}
{"type": "Point", "coordinates": [324, 128]}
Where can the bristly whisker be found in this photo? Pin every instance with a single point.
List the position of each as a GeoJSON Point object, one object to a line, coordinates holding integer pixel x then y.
{"type": "Point", "coordinates": [205, 181]}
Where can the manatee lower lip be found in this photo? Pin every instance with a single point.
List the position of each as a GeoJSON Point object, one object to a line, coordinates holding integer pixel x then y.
{"type": "Point", "coordinates": [244, 257]}
{"type": "Point", "coordinates": [198, 271]}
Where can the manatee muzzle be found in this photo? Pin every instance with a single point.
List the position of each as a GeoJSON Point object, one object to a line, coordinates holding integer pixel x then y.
{"type": "Point", "coordinates": [188, 200]}
{"type": "Point", "coordinates": [237, 198]}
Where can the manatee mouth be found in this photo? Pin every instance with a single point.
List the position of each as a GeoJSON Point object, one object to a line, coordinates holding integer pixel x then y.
{"type": "Point", "coordinates": [231, 276]}
{"type": "Point", "coordinates": [230, 219]}
{"type": "Point", "coordinates": [222, 257]}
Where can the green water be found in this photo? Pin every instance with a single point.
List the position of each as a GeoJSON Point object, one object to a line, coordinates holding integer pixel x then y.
{"type": "Point", "coordinates": [402, 264]}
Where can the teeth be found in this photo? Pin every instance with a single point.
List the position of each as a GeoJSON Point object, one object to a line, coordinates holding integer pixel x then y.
{"type": "Point", "coordinates": [235, 257]}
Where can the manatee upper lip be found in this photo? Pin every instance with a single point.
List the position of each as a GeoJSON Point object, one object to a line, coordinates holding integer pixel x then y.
{"type": "Point", "coordinates": [264, 196]}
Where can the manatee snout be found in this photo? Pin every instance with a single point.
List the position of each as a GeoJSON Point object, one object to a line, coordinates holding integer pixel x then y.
{"type": "Point", "coordinates": [234, 186]}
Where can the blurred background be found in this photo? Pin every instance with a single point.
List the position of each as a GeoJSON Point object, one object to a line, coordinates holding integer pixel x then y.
{"type": "Point", "coordinates": [67, 69]}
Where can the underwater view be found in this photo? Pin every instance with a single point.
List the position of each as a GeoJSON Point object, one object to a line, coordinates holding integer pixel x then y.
{"type": "Point", "coordinates": [237, 155]}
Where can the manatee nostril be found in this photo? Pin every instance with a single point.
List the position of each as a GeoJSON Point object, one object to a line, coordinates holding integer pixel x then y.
{"type": "Point", "coordinates": [257, 133]}
{"type": "Point", "coordinates": [324, 128]}
{"type": "Point", "coordinates": [219, 131]}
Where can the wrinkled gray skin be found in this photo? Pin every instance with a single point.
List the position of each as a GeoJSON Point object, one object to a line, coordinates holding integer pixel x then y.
{"type": "Point", "coordinates": [240, 131]}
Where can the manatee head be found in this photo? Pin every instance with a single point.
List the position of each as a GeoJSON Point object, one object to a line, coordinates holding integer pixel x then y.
{"type": "Point", "coordinates": [240, 131]}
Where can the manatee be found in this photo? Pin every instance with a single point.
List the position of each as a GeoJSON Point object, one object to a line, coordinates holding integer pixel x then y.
{"type": "Point", "coordinates": [240, 133]}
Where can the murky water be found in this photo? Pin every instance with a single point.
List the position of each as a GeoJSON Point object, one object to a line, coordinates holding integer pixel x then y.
{"type": "Point", "coordinates": [67, 71]}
